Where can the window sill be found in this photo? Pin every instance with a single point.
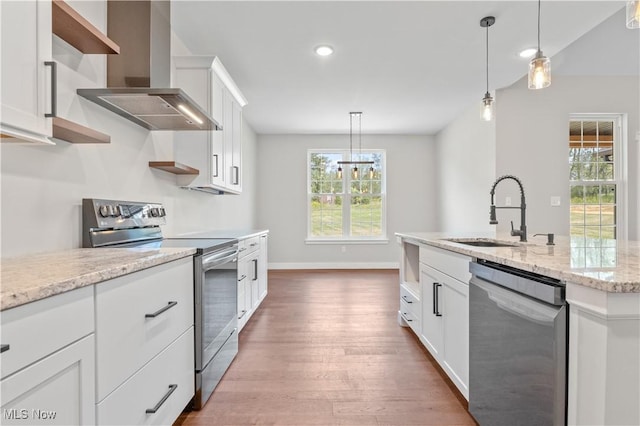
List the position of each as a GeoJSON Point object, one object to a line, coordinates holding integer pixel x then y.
{"type": "Point", "coordinates": [343, 241]}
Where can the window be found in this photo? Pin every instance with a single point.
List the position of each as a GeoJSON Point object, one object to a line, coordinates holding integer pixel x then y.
{"type": "Point", "coordinates": [596, 178]}
{"type": "Point", "coordinates": [347, 207]}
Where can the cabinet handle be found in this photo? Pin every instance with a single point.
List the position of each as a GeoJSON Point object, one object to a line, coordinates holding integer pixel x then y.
{"type": "Point", "coordinates": [242, 249]}
{"type": "Point", "coordinates": [406, 318]}
{"type": "Point", "coordinates": [406, 300]}
{"type": "Point", "coordinates": [435, 296]}
{"type": "Point", "coordinates": [242, 278]}
{"type": "Point", "coordinates": [255, 269]}
{"type": "Point", "coordinates": [437, 307]}
{"type": "Point", "coordinates": [4, 348]}
{"type": "Point", "coordinates": [236, 175]}
{"type": "Point", "coordinates": [164, 398]}
{"type": "Point", "coordinates": [158, 312]}
{"type": "Point", "coordinates": [54, 88]}
{"type": "Point", "coordinates": [216, 157]}
{"type": "Point", "coordinates": [243, 312]}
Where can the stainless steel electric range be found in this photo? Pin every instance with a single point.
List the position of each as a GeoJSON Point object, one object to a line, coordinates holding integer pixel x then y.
{"type": "Point", "coordinates": [110, 223]}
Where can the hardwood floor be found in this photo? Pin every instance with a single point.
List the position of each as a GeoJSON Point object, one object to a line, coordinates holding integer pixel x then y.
{"type": "Point", "coordinates": [325, 348]}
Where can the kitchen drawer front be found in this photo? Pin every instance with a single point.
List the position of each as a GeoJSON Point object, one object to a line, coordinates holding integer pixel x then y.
{"type": "Point", "coordinates": [410, 317]}
{"type": "Point", "coordinates": [453, 264]}
{"type": "Point", "coordinates": [248, 245]}
{"type": "Point", "coordinates": [408, 296]}
{"type": "Point", "coordinates": [40, 328]}
{"type": "Point", "coordinates": [127, 405]}
{"type": "Point", "coordinates": [126, 338]}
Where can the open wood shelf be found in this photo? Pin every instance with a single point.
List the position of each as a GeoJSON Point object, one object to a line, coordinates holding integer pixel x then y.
{"type": "Point", "coordinates": [173, 167]}
{"type": "Point", "coordinates": [76, 133]}
{"type": "Point", "coordinates": [73, 28]}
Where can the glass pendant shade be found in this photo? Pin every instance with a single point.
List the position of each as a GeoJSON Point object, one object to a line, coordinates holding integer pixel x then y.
{"type": "Point", "coordinates": [371, 172]}
{"type": "Point", "coordinates": [355, 172]}
{"type": "Point", "coordinates": [539, 72]}
{"type": "Point", "coordinates": [487, 107]}
{"type": "Point", "coordinates": [633, 14]}
{"type": "Point", "coordinates": [339, 172]}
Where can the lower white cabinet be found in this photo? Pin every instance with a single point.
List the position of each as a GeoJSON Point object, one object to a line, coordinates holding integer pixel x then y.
{"type": "Point", "coordinates": [57, 390]}
{"type": "Point", "coordinates": [437, 308]}
{"type": "Point", "coordinates": [158, 392]}
{"type": "Point", "coordinates": [252, 276]}
{"type": "Point", "coordinates": [48, 361]}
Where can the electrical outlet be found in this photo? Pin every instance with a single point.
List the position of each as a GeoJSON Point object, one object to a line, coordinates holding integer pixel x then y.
{"type": "Point", "coordinates": [344, 249]}
{"type": "Point", "coordinates": [507, 201]}
{"type": "Point", "coordinates": [555, 201]}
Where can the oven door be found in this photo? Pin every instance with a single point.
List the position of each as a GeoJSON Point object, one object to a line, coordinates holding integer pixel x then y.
{"type": "Point", "coordinates": [215, 303]}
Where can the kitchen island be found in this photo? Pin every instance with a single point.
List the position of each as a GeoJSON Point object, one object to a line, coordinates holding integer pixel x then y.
{"type": "Point", "coordinates": [603, 293]}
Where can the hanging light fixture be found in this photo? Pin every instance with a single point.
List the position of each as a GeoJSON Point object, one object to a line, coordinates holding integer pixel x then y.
{"type": "Point", "coordinates": [633, 14]}
{"type": "Point", "coordinates": [540, 66]}
{"type": "Point", "coordinates": [487, 101]}
{"type": "Point", "coordinates": [351, 162]}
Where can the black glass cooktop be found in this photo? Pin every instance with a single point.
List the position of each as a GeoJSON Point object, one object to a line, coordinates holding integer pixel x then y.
{"type": "Point", "coordinates": [202, 245]}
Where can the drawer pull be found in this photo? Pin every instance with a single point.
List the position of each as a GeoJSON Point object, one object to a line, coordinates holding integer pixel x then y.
{"type": "Point", "coordinates": [158, 312]}
{"type": "Point", "coordinates": [406, 317]}
{"type": "Point", "coordinates": [253, 244]}
{"type": "Point", "coordinates": [164, 398]}
{"type": "Point", "coordinates": [4, 348]}
{"type": "Point", "coordinates": [406, 300]}
{"type": "Point", "coordinates": [244, 311]}
{"type": "Point", "coordinates": [242, 278]}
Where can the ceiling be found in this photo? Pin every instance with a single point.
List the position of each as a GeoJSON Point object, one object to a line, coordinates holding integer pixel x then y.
{"type": "Point", "coordinates": [410, 67]}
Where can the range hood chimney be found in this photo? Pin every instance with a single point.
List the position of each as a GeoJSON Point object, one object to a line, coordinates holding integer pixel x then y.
{"type": "Point", "coordinates": [138, 79]}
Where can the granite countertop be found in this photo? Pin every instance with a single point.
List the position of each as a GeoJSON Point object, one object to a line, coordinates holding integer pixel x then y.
{"type": "Point", "coordinates": [613, 269]}
{"type": "Point", "coordinates": [29, 278]}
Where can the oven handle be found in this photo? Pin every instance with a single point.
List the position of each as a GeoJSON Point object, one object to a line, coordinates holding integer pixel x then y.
{"type": "Point", "coordinates": [218, 259]}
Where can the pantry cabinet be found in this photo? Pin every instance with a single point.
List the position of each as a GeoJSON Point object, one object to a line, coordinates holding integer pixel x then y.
{"type": "Point", "coordinates": [28, 72]}
{"type": "Point", "coordinates": [217, 154]}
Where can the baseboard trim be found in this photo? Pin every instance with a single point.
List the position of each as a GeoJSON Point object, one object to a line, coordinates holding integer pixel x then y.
{"type": "Point", "coordinates": [337, 265]}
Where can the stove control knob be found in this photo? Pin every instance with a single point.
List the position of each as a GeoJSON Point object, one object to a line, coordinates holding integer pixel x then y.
{"type": "Point", "coordinates": [162, 212]}
{"type": "Point", "coordinates": [113, 211]}
{"type": "Point", "coordinates": [154, 212]}
{"type": "Point", "coordinates": [104, 210]}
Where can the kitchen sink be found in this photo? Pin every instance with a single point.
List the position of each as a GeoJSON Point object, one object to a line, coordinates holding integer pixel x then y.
{"type": "Point", "coordinates": [481, 242]}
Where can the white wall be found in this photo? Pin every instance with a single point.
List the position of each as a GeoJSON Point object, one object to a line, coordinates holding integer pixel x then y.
{"type": "Point", "coordinates": [466, 169]}
{"type": "Point", "coordinates": [282, 198]}
{"type": "Point", "coordinates": [532, 142]}
{"type": "Point", "coordinates": [43, 186]}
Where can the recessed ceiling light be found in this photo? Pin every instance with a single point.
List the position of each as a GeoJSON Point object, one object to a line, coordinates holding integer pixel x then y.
{"type": "Point", "coordinates": [528, 53]}
{"type": "Point", "coordinates": [324, 50]}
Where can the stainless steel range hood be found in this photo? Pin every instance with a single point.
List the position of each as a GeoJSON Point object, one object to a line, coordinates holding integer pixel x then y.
{"type": "Point", "coordinates": [138, 79]}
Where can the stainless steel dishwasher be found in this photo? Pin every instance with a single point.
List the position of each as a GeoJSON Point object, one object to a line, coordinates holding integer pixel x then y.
{"type": "Point", "coordinates": [517, 347]}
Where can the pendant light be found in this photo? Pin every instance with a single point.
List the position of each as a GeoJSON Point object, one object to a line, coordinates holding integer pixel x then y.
{"type": "Point", "coordinates": [355, 173]}
{"type": "Point", "coordinates": [487, 101]}
{"type": "Point", "coordinates": [633, 14]}
{"type": "Point", "coordinates": [540, 66]}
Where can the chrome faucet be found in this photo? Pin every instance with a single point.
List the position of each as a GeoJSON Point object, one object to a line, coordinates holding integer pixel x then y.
{"type": "Point", "coordinates": [522, 232]}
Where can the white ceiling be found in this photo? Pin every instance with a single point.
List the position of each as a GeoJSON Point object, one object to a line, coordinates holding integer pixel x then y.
{"type": "Point", "coordinates": [410, 67]}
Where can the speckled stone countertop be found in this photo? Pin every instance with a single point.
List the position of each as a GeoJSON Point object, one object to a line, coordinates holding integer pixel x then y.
{"type": "Point", "coordinates": [613, 269]}
{"type": "Point", "coordinates": [29, 278]}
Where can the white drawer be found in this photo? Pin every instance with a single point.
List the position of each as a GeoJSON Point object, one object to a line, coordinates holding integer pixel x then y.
{"type": "Point", "coordinates": [410, 317]}
{"type": "Point", "coordinates": [127, 405]}
{"type": "Point", "coordinates": [248, 245]}
{"type": "Point", "coordinates": [38, 329]}
{"type": "Point", "coordinates": [410, 300]}
{"type": "Point", "coordinates": [451, 263]}
{"type": "Point", "coordinates": [126, 338]}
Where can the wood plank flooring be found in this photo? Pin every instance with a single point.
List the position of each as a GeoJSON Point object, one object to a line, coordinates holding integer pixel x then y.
{"type": "Point", "coordinates": [325, 348]}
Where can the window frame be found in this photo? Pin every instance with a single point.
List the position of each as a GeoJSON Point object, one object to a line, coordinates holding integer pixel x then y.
{"type": "Point", "coordinates": [346, 201]}
{"type": "Point", "coordinates": [620, 174]}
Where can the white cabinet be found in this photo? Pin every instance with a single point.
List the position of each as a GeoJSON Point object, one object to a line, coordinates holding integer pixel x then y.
{"type": "Point", "coordinates": [144, 344]}
{"type": "Point", "coordinates": [263, 270]}
{"type": "Point", "coordinates": [434, 302]}
{"type": "Point", "coordinates": [252, 276]}
{"type": "Point", "coordinates": [26, 71]}
{"type": "Point", "coordinates": [216, 154]}
{"type": "Point", "coordinates": [48, 370]}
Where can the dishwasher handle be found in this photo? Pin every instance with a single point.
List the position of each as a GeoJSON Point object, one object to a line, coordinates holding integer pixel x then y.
{"type": "Point", "coordinates": [539, 287]}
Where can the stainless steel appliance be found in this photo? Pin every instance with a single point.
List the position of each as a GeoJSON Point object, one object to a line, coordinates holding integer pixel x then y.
{"type": "Point", "coordinates": [517, 347]}
{"type": "Point", "coordinates": [109, 223]}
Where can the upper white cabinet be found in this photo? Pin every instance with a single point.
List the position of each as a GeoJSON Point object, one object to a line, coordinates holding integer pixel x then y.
{"type": "Point", "coordinates": [216, 154]}
{"type": "Point", "coordinates": [27, 71]}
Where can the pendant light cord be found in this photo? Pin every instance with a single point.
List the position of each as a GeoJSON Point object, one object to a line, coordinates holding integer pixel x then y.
{"type": "Point", "coordinates": [539, 25]}
{"type": "Point", "coordinates": [487, 59]}
{"type": "Point", "coordinates": [350, 137]}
